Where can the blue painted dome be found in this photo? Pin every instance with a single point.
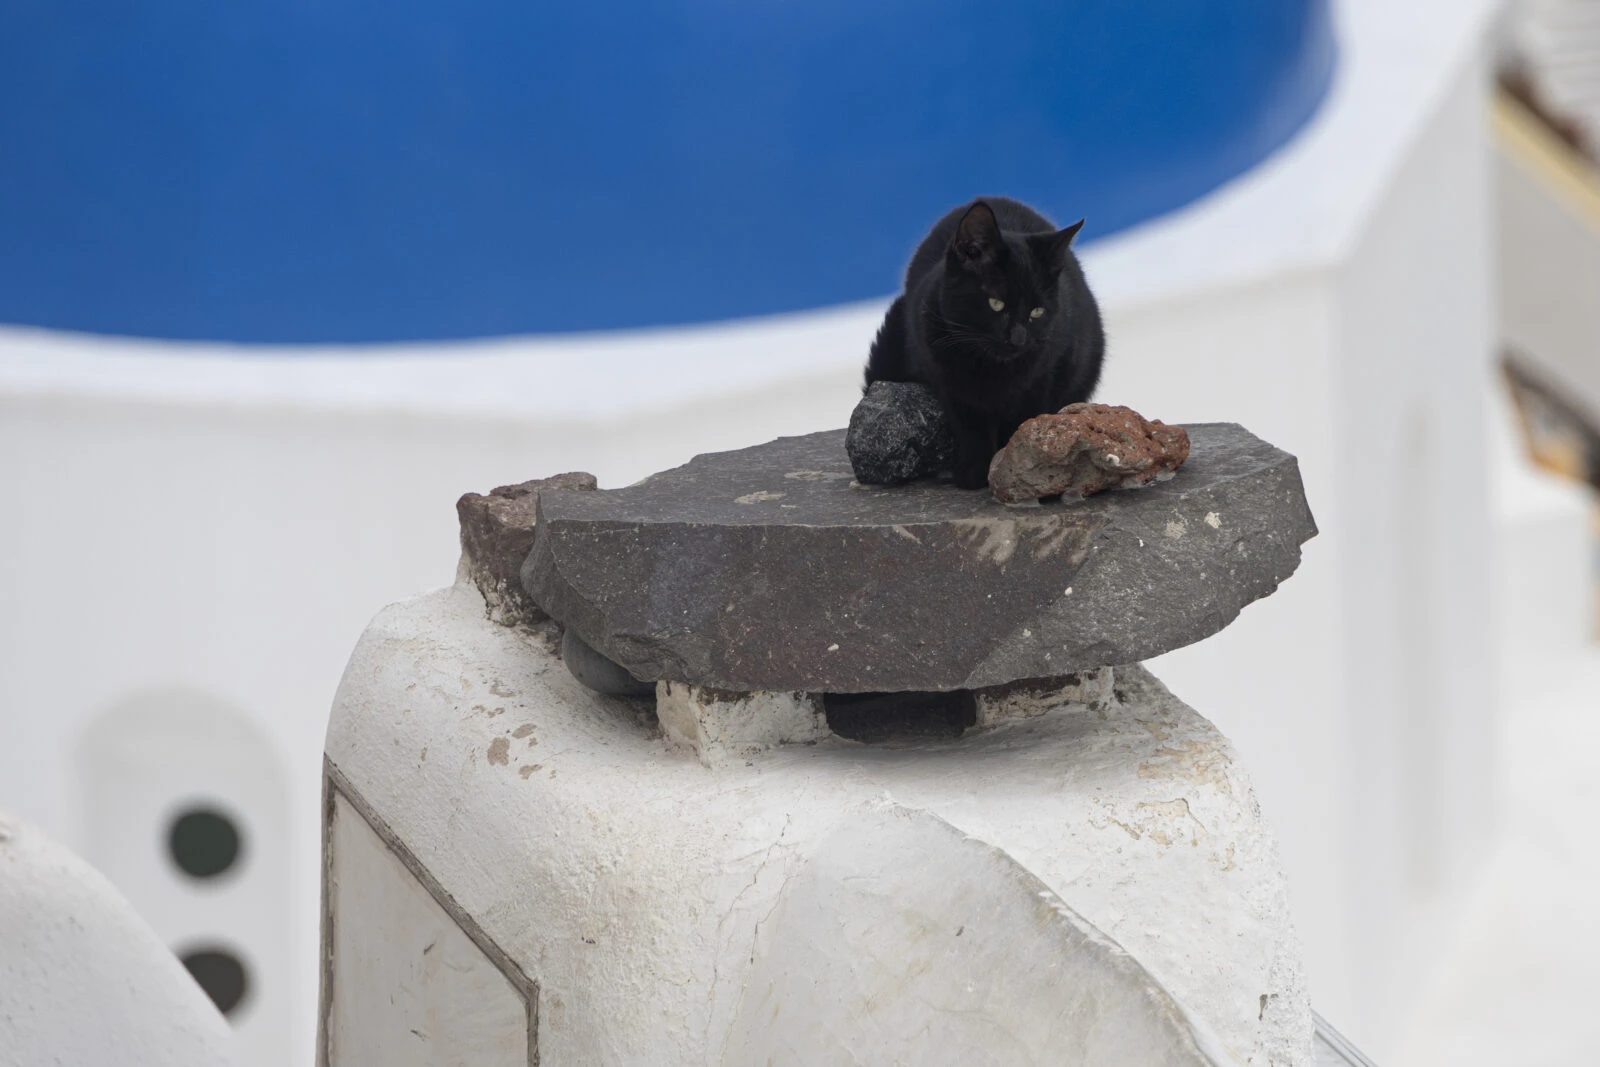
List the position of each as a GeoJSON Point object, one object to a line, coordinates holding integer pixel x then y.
{"type": "Point", "coordinates": [352, 171]}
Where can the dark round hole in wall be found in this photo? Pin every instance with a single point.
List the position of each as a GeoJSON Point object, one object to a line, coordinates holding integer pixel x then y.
{"type": "Point", "coordinates": [219, 972]}
{"type": "Point", "coordinates": [204, 842]}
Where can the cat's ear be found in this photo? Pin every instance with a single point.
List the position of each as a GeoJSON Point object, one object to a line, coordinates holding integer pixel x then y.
{"type": "Point", "coordinates": [1053, 247]}
{"type": "Point", "coordinates": [976, 244]}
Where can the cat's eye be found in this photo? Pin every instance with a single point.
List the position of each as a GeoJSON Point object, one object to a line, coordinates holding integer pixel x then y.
{"type": "Point", "coordinates": [1036, 313]}
{"type": "Point", "coordinates": [996, 304]}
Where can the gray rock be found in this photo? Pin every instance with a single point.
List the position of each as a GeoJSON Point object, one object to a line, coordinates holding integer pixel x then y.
{"type": "Point", "coordinates": [898, 432]}
{"type": "Point", "coordinates": [496, 535]}
{"type": "Point", "coordinates": [767, 569]}
{"type": "Point", "coordinates": [599, 673]}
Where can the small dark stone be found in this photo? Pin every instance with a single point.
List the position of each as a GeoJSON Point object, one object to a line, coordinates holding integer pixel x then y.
{"type": "Point", "coordinates": [496, 535]}
{"type": "Point", "coordinates": [599, 673]}
{"type": "Point", "coordinates": [899, 432]}
{"type": "Point", "coordinates": [771, 568]}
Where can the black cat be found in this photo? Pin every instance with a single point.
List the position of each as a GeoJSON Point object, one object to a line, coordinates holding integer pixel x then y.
{"type": "Point", "coordinates": [998, 321]}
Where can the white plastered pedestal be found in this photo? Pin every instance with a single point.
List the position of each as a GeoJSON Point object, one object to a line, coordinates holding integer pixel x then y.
{"type": "Point", "coordinates": [83, 979]}
{"type": "Point", "coordinates": [522, 871]}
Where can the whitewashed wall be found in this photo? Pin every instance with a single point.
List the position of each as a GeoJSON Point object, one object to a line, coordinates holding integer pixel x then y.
{"type": "Point", "coordinates": [222, 523]}
{"type": "Point", "coordinates": [83, 979]}
{"type": "Point", "coordinates": [1362, 692]}
{"type": "Point", "coordinates": [229, 553]}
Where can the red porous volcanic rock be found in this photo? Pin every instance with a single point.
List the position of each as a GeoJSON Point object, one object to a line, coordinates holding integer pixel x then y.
{"type": "Point", "coordinates": [1085, 449]}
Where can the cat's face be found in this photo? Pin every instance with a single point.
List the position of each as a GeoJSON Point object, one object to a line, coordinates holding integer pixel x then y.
{"type": "Point", "coordinates": [1002, 294]}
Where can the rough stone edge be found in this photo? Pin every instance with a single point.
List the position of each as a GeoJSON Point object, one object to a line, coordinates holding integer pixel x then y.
{"type": "Point", "coordinates": [334, 785]}
{"type": "Point", "coordinates": [573, 611]}
{"type": "Point", "coordinates": [1285, 475]}
{"type": "Point", "coordinates": [484, 535]}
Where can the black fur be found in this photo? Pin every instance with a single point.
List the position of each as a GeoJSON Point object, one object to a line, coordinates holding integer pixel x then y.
{"type": "Point", "coordinates": [992, 371]}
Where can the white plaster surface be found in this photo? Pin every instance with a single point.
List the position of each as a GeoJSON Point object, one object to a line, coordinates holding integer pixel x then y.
{"type": "Point", "coordinates": [1545, 580]}
{"type": "Point", "coordinates": [83, 981]}
{"type": "Point", "coordinates": [718, 724]}
{"type": "Point", "coordinates": [1519, 980]}
{"type": "Point", "coordinates": [629, 880]}
{"type": "Point", "coordinates": [410, 989]}
{"type": "Point", "coordinates": [1361, 693]}
{"type": "Point", "coordinates": [903, 941]}
{"type": "Point", "coordinates": [1518, 976]}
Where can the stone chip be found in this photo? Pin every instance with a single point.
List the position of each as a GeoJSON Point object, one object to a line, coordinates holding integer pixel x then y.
{"type": "Point", "coordinates": [496, 535]}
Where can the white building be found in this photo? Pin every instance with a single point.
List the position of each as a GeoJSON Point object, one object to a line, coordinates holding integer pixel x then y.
{"type": "Point", "coordinates": [196, 535]}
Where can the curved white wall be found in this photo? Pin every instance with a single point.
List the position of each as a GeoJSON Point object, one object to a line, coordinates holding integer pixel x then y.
{"type": "Point", "coordinates": [83, 980]}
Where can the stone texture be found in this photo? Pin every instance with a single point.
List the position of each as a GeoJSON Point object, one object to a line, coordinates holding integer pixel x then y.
{"type": "Point", "coordinates": [767, 569]}
{"type": "Point", "coordinates": [1085, 449]}
{"type": "Point", "coordinates": [898, 432]}
{"type": "Point", "coordinates": [496, 535]}
{"type": "Point", "coordinates": [599, 673]}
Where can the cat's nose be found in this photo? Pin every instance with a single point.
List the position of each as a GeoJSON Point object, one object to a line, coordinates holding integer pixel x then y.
{"type": "Point", "coordinates": [1019, 335]}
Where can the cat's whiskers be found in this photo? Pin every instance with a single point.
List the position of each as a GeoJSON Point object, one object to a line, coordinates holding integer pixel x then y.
{"type": "Point", "coordinates": [956, 336]}
{"type": "Point", "coordinates": [957, 331]}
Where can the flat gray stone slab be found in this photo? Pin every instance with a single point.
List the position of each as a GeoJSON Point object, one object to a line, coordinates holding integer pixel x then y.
{"type": "Point", "coordinates": [770, 568]}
